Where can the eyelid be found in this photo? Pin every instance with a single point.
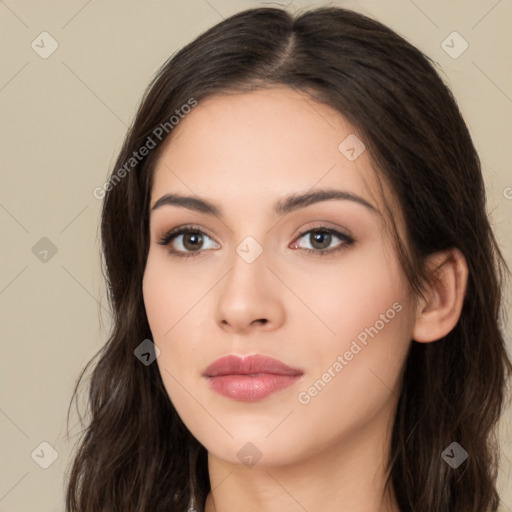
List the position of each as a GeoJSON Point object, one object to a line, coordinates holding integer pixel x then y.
{"type": "Point", "coordinates": [324, 225]}
{"type": "Point", "coordinates": [179, 230]}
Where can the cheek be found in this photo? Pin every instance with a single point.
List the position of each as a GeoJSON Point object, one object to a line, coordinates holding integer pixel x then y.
{"type": "Point", "coordinates": [171, 309]}
{"type": "Point", "coordinates": [365, 304]}
{"type": "Point", "coordinates": [350, 295]}
{"type": "Point", "coordinates": [166, 300]}
{"type": "Point", "coordinates": [166, 307]}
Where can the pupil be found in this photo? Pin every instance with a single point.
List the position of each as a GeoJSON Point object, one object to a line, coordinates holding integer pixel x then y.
{"type": "Point", "coordinates": [196, 239]}
{"type": "Point", "coordinates": [320, 237]}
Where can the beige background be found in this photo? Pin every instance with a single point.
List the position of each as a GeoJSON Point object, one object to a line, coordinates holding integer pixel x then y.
{"type": "Point", "coordinates": [63, 119]}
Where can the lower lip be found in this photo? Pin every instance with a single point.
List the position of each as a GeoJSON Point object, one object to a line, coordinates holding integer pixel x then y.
{"type": "Point", "coordinates": [249, 388]}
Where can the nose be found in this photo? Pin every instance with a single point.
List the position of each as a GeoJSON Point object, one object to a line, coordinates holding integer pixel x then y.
{"type": "Point", "coordinates": [249, 297]}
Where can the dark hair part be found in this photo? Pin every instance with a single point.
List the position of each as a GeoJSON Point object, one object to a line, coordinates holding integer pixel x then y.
{"type": "Point", "coordinates": [136, 454]}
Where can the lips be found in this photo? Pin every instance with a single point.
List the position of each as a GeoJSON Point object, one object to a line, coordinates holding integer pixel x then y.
{"type": "Point", "coordinates": [250, 365]}
{"type": "Point", "coordinates": [251, 378]}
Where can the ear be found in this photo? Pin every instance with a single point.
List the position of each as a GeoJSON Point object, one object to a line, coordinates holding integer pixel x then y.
{"type": "Point", "coordinates": [438, 313]}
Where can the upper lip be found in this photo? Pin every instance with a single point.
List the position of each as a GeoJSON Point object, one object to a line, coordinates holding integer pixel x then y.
{"type": "Point", "coordinates": [249, 365]}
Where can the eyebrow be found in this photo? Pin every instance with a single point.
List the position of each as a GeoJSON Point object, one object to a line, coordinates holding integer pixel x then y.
{"type": "Point", "coordinates": [281, 207]}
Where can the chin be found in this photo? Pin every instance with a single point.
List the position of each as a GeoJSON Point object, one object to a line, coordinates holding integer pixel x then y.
{"type": "Point", "coordinates": [251, 447]}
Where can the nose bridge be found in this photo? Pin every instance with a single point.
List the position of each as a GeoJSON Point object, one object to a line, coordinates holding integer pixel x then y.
{"type": "Point", "coordinates": [248, 267]}
{"type": "Point", "coordinates": [247, 294]}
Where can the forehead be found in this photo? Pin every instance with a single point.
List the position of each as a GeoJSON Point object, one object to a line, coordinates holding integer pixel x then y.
{"type": "Point", "coordinates": [251, 148]}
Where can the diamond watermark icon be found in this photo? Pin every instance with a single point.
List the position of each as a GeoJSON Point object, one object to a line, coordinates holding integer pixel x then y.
{"type": "Point", "coordinates": [249, 249]}
{"type": "Point", "coordinates": [44, 45]}
{"type": "Point", "coordinates": [44, 455]}
{"type": "Point", "coordinates": [454, 45]}
{"type": "Point", "coordinates": [454, 455]}
{"type": "Point", "coordinates": [351, 147]}
{"type": "Point", "coordinates": [147, 352]}
{"type": "Point", "coordinates": [249, 455]}
{"type": "Point", "coordinates": [44, 250]}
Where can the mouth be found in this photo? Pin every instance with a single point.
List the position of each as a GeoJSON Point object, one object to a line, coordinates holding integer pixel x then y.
{"type": "Point", "coordinates": [251, 378]}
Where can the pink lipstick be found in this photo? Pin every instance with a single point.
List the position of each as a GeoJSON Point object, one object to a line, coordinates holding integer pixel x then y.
{"type": "Point", "coordinates": [250, 378]}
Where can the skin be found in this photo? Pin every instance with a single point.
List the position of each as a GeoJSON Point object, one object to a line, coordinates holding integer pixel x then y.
{"type": "Point", "coordinates": [244, 152]}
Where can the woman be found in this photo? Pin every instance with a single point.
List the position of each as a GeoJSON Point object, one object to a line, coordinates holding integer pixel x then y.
{"type": "Point", "coordinates": [305, 284]}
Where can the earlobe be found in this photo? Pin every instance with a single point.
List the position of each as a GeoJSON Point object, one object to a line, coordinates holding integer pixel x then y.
{"type": "Point", "coordinates": [438, 313]}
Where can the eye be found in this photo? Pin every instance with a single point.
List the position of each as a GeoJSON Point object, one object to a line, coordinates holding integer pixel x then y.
{"type": "Point", "coordinates": [187, 240]}
{"type": "Point", "coordinates": [320, 239]}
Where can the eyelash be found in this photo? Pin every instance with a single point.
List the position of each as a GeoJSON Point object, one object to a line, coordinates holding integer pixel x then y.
{"type": "Point", "coordinates": [174, 233]}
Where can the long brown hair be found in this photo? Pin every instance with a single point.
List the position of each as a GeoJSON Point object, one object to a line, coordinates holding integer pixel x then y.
{"type": "Point", "coordinates": [136, 455]}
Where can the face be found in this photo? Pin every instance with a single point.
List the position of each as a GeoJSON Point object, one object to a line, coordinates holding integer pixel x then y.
{"type": "Point", "coordinates": [314, 283]}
